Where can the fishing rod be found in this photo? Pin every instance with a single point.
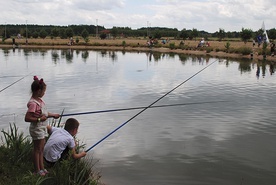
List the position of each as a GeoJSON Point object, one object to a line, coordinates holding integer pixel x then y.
{"type": "Point", "coordinates": [15, 82]}
{"type": "Point", "coordinates": [134, 108]}
{"type": "Point", "coordinates": [112, 132]}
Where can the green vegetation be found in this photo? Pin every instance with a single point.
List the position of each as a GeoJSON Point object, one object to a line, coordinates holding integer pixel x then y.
{"type": "Point", "coordinates": [43, 31]}
{"type": "Point", "coordinates": [227, 46]}
{"type": "Point", "coordinates": [17, 168]}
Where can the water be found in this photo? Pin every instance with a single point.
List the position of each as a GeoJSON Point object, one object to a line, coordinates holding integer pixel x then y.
{"type": "Point", "coordinates": [216, 143]}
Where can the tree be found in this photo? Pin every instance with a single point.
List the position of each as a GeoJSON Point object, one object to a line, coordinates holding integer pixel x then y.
{"type": "Point", "coordinates": [103, 35]}
{"type": "Point", "coordinates": [246, 34]}
{"type": "Point", "coordinates": [43, 34]}
{"type": "Point", "coordinates": [157, 34]}
{"type": "Point", "coordinates": [194, 33]}
{"type": "Point", "coordinates": [85, 35]}
{"type": "Point", "coordinates": [35, 35]}
{"type": "Point", "coordinates": [114, 32]}
{"type": "Point", "coordinates": [221, 34]}
{"type": "Point", "coordinates": [62, 33]}
{"type": "Point", "coordinates": [54, 32]}
{"type": "Point", "coordinates": [69, 32]}
{"type": "Point", "coordinates": [184, 34]}
{"type": "Point", "coordinates": [272, 34]}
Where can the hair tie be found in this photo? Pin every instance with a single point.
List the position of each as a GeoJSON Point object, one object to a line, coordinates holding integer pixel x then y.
{"type": "Point", "coordinates": [41, 81]}
{"type": "Point", "coordinates": [35, 78]}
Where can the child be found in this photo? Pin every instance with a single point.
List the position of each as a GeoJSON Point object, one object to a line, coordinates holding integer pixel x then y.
{"type": "Point", "coordinates": [37, 115]}
{"type": "Point", "coordinates": [61, 142]}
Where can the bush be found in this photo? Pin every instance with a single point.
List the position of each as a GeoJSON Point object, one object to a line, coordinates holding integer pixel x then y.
{"type": "Point", "coordinates": [124, 43]}
{"type": "Point", "coordinates": [16, 165]}
{"type": "Point", "coordinates": [209, 49]}
{"type": "Point", "coordinates": [172, 45]}
{"type": "Point", "coordinates": [18, 145]}
{"type": "Point", "coordinates": [244, 50]}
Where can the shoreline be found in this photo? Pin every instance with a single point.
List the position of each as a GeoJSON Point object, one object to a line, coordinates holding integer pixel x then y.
{"type": "Point", "coordinates": [214, 54]}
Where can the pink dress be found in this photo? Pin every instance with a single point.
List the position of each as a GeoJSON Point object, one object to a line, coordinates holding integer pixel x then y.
{"type": "Point", "coordinates": [38, 130]}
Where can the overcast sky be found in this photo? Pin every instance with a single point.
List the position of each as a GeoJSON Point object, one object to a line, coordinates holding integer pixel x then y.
{"type": "Point", "coordinates": [208, 15]}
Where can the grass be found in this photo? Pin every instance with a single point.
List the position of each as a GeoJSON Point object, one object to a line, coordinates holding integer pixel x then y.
{"type": "Point", "coordinates": [234, 48]}
{"type": "Point", "coordinates": [132, 42]}
{"type": "Point", "coordinates": [16, 167]}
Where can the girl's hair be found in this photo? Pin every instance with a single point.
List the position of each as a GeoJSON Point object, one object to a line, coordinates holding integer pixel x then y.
{"type": "Point", "coordinates": [71, 124]}
{"type": "Point", "coordinates": [37, 84]}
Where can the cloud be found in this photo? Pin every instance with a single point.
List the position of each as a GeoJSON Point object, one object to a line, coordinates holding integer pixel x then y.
{"type": "Point", "coordinates": [208, 15]}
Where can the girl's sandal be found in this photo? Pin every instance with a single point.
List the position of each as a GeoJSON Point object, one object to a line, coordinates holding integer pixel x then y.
{"type": "Point", "coordinates": [41, 173]}
{"type": "Point", "coordinates": [45, 171]}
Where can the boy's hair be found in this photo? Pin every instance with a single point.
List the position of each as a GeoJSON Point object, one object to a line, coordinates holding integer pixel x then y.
{"type": "Point", "coordinates": [71, 124]}
{"type": "Point", "coordinates": [37, 84]}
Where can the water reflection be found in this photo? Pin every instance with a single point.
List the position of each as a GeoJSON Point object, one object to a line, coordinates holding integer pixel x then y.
{"type": "Point", "coordinates": [84, 55]}
{"type": "Point", "coordinates": [222, 143]}
{"type": "Point", "coordinates": [245, 66]}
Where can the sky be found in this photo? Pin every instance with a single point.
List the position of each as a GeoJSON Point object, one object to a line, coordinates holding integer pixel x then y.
{"type": "Point", "coordinates": [207, 15]}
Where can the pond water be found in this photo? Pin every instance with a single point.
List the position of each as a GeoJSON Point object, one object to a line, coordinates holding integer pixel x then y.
{"type": "Point", "coordinates": [225, 134]}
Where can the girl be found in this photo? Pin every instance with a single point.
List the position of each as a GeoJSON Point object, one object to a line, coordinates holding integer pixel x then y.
{"type": "Point", "coordinates": [37, 115]}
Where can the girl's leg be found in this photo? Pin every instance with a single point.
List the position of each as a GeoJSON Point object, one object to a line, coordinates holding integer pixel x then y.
{"type": "Point", "coordinates": [38, 154]}
{"type": "Point", "coordinates": [41, 159]}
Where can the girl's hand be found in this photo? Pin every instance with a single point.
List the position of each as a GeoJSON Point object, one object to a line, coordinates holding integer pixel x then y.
{"type": "Point", "coordinates": [56, 116]}
{"type": "Point", "coordinates": [43, 118]}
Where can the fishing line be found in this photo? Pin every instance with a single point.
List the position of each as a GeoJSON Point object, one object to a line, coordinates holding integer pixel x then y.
{"type": "Point", "coordinates": [112, 132]}
{"type": "Point", "coordinates": [15, 82]}
{"type": "Point", "coordinates": [134, 108]}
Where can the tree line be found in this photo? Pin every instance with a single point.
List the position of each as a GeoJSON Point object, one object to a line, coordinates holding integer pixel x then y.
{"type": "Point", "coordinates": [43, 31]}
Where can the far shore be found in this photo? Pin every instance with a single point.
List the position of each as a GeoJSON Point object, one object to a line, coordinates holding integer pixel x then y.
{"type": "Point", "coordinates": [116, 45]}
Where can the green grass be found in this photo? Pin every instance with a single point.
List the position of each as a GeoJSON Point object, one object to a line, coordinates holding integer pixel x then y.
{"type": "Point", "coordinates": [16, 167]}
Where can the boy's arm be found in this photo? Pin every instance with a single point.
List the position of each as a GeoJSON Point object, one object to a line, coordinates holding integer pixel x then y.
{"type": "Point", "coordinates": [49, 129]}
{"type": "Point", "coordinates": [77, 156]}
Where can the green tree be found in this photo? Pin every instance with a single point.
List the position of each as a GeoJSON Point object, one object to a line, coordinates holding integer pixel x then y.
{"type": "Point", "coordinates": [85, 35]}
{"type": "Point", "coordinates": [114, 32]}
{"type": "Point", "coordinates": [69, 32]}
{"type": "Point", "coordinates": [194, 33]}
{"type": "Point", "coordinates": [55, 32]}
{"type": "Point", "coordinates": [246, 34]}
{"type": "Point", "coordinates": [184, 34]}
{"type": "Point", "coordinates": [62, 33]}
{"type": "Point", "coordinates": [35, 35]}
{"type": "Point", "coordinates": [272, 34]}
{"type": "Point", "coordinates": [43, 34]}
{"type": "Point", "coordinates": [157, 34]}
{"type": "Point", "coordinates": [103, 35]}
{"type": "Point", "coordinates": [221, 34]}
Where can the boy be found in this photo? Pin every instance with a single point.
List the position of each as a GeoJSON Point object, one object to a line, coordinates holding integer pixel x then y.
{"type": "Point", "coordinates": [61, 141]}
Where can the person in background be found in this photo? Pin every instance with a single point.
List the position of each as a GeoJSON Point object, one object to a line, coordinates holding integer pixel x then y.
{"type": "Point", "coordinates": [37, 115]}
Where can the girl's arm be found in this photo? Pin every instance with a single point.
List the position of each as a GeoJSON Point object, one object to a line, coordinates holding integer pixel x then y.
{"type": "Point", "coordinates": [31, 117]}
{"type": "Point", "coordinates": [52, 115]}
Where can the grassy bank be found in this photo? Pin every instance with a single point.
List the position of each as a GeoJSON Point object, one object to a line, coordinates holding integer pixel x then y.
{"type": "Point", "coordinates": [16, 167]}
{"type": "Point", "coordinates": [225, 48]}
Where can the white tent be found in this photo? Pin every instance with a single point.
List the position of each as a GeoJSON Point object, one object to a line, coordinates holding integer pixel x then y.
{"type": "Point", "coordinates": [266, 36]}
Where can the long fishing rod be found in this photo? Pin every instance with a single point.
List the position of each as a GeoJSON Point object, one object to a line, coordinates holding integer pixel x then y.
{"type": "Point", "coordinates": [112, 132]}
{"type": "Point", "coordinates": [134, 108]}
{"type": "Point", "coordinates": [15, 82]}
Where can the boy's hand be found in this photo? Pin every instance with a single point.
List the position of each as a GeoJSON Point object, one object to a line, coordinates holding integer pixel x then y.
{"type": "Point", "coordinates": [83, 154]}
